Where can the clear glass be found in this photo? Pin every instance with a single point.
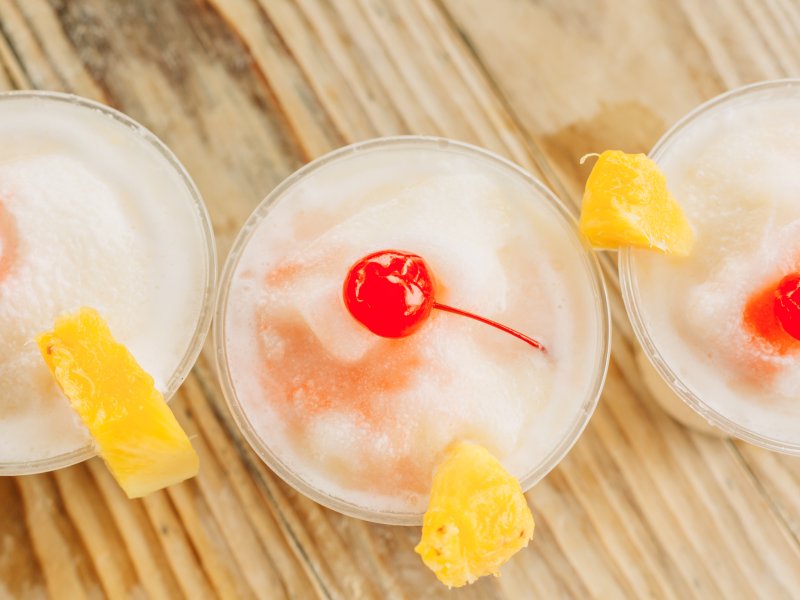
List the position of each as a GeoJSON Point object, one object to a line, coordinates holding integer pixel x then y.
{"type": "Point", "coordinates": [538, 193]}
{"type": "Point", "coordinates": [631, 294]}
{"type": "Point", "coordinates": [209, 260]}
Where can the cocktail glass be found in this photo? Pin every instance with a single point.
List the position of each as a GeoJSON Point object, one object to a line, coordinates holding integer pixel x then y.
{"type": "Point", "coordinates": [121, 132]}
{"type": "Point", "coordinates": [679, 389]}
{"type": "Point", "coordinates": [358, 155]}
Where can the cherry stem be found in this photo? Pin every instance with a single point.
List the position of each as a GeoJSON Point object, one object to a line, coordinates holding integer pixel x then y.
{"type": "Point", "coordinates": [495, 324]}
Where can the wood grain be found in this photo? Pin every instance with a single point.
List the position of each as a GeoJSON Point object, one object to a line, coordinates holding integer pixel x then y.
{"type": "Point", "coordinates": [246, 91]}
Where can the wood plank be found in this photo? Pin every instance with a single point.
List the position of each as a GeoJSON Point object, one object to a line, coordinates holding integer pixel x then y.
{"type": "Point", "coordinates": [245, 91]}
{"type": "Point", "coordinates": [20, 571]}
{"type": "Point", "coordinates": [55, 543]}
{"type": "Point", "coordinates": [175, 540]}
{"type": "Point", "coordinates": [84, 506]}
{"type": "Point", "coordinates": [150, 559]}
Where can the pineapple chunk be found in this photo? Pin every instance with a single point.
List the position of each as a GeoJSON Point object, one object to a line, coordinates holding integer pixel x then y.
{"type": "Point", "coordinates": [135, 432]}
{"type": "Point", "coordinates": [626, 203]}
{"type": "Point", "coordinates": [477, 517]}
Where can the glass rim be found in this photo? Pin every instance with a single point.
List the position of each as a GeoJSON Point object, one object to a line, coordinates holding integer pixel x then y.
{"type": "Point", "coordinates": [543, 194]}
{"type": "Point", "coordinates": [630, 285]}
{"type": "Point", "coordinates": [205, 313]}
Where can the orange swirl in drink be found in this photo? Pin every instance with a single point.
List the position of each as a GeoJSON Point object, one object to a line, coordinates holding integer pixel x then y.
{"type": "Point", "coordinates": [8, 242]}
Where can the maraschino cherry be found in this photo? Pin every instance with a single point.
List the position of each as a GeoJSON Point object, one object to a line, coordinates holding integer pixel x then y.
{"type": "Point", "coordinates": [391, 293]}
{"type": "Point", "coordinates": [787, 304]}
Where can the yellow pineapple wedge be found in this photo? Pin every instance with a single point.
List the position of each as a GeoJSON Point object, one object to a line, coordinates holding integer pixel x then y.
{"type": "Point", "coordinates": [134, 430]}
{"type": "Point", "coordinates": [477, 517]}
{"type": "Point", "coordinates": [626, 203]}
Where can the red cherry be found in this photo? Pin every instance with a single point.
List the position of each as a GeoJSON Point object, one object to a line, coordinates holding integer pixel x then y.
{"type": "Point", "coordinates": [787, 304]}
{"type": "Point", "coordinates": [391, 293]}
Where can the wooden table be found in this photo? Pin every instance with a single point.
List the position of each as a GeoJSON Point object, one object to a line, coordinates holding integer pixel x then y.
{"type": "Point", "coordinates": [246, 91]}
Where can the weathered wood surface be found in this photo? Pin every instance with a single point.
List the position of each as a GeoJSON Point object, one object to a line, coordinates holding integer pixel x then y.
{"type": "Point", "coordinates": [245, 91]}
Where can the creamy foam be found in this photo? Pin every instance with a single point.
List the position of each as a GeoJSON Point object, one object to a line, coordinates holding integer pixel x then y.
{"type": "Point", "coordinates": [735, 171]}
{"type": "Point", "coordinates": [97, 217]}
{"type": "Point", "coordinates": [365, 418]}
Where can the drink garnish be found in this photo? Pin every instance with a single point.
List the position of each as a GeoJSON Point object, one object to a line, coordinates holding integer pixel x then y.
{"type": "Point", "coordinates": [771, 315]}
{"type": "Point", "coordinates": [626, 203]}
{"type": "Point", "coordinates": [477, 517]}
{"type": "Point", "coordinates": [787, 304]}
{"type": "Point", "coordinates": [391, 293]}
{"type": "Point", "coordinates": [134, 430]}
